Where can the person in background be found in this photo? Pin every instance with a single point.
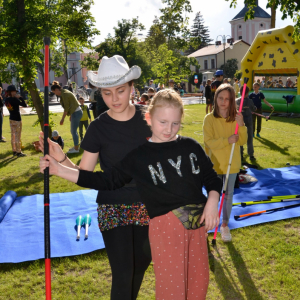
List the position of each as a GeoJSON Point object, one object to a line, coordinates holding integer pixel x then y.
{"type": "Point", "coordinates": [218, 132]}
{"type": "Point", "coordinates": [236, 87]}
{"type": "Point", "coordinates": [137, 93]}
{"type": "Point", "coordinates": [57, 139]}
{"type": "Point", "coordinates": [151, 93]}
{"type": "Point", "coordinates": [208, 96]}
{"type": "Point", "coordinates": [215, 84]}
{"type": "Point", "coordinates": [171, 84]}
{"type": "Point", "coordinates": [151, 84]}
{"type": "Point", "coordinates": [2, 138]}
{"type": "Point", "coordinates": [144, 99]}
{"type": "Point", "coordinates": [71, 108]}
{"type": "Point", "coordinates": [86, 116]}
{"type": "Point", "coordinates": [201, 89]}
{"type": "Point", "coordinates": [289, 83]}
{"type": "Point", "coordinates": [248, 108]}
{"type": "Point", "coordinates": [257, 97]}
{"type": "Point", "coordinates": [70, 88]}
{"type": "Point", "coordinates": [93, 105]}
{"type": "Point", "coordinates": [13, 101]}
{"type": "Point", "coordinates": [225, 80]}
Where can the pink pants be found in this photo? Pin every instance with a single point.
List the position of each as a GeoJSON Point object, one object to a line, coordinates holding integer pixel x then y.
{"type": "Point", "coordinates": [180, 259]}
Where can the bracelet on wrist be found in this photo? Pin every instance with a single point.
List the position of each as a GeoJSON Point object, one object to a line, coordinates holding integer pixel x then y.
{"type": "Point", "coordinates": [63, 159]}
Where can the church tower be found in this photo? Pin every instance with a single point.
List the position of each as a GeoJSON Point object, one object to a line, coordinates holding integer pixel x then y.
{"type": "Point", "coordinates": [246, 31]}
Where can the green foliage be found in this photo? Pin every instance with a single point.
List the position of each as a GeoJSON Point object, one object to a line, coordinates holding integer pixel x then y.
{"type": "Point", "coordinates": [289, 8]}
{"type": "Point", "coordinates": [238, 74]}
{"type": "Point", "coordinates": [174, 23]}
{"type": "Point", "coordinates": [231, 66]}
{"type": "Point", "coordinates": [168, 64]}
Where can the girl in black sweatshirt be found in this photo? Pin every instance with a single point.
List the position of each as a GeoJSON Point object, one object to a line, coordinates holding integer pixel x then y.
{"type": "Point", "coordinates": [170, 172]}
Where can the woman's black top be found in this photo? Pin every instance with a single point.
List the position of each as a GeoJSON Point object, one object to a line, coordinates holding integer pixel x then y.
{"type": "Point", "coordinates": [13, 105]}
{"type": "Point", "coordinates": [114, 140]}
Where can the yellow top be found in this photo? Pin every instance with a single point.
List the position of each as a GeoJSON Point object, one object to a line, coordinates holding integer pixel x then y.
{"type": "Point", "coordinates": [216, 132]}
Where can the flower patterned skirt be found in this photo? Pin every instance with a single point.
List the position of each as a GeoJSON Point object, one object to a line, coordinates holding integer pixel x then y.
{"type": "Point", "coordinates": [114, 215]}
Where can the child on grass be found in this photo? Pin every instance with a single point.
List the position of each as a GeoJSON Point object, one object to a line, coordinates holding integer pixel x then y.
{"type": "Point", "coordinates": [170, 171]}
{"type": "Point", "coordinates": [248, 108]}
{"type": "Point", "coordinates": [218, 131]}
{"type": "Point", "coordinates": [257, 97]}
{"type": "Point", "coordinates": [86, 116]}
{"type": "Point", "coordinates": [57, 139]}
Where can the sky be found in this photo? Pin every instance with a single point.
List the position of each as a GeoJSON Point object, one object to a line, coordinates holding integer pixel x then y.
{"type": "Point", "coordinates": [216, 14]}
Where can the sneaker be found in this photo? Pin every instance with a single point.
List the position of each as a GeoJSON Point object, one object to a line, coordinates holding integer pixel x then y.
{"type": "Point", "coordinates": [252, 158]}
{"type": "Point", "coordinates": [21, 154]}
{"type": "Point", "coordinates": [2, 141]}
{"type": "Point", "coordinates": [73, 150]}
{"type": "Point", "coordinates": [15, 153]}
{"type": "Point", "coordinates": [257, 135]}
{"type": "Point", "coordinates": [225, 234]}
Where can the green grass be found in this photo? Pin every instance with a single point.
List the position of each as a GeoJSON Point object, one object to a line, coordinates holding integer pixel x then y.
{"type": "Point", "coordinates": [262, 262]}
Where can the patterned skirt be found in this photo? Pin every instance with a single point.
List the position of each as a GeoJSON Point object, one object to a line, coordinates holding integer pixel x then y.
{"type": "Point", "coordinates": [114, 215]}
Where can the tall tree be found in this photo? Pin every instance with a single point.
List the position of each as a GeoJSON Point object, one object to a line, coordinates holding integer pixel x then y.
{"type": "Point", "coordinates": [289, 8]}
{"type": "Point", "coordinates": [174, 23]}
{"type": "Point", "coordinates": [199, 34]}
{"type": "Point", "coordinates": [24, 23]}
{"type": "Point", "coordinates": [125, 43]}
{"type": "Point", "coordinates": [231, 66]}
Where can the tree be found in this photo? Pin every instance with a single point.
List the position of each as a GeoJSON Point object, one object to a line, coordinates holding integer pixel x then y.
{"type": "Point", "coordinates": [24, 23]}
{"type": "Point", "coordinates": [174, 23]}
{"type": "Point", "coordinates": [289, 8]}
{"type": "Point", "coordinates": [231, 66]}
{"type": "Point", "coordinates": [125, 43]}
{"type": "Point", "coordinates": [167, 64]}
{"type": "Point", "coordinates": [199, 34]}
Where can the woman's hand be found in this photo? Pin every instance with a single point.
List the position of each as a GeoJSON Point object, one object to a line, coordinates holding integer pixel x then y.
{"type": "Point", "coordinates": [48, 161]}
{"type": "Point", "coordinates": [233, 138]}
{"type": "Point", "coordinates": [54, 149]}
{"type": "Point", "coordinates": [239, 119]}
{"type": "Point", "coordinates": [210, 213]}
{"type": "Point", "coordinates": [61, 122]}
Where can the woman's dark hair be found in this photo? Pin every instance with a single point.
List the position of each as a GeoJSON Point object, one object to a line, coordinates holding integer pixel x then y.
{"type": "Point", "coordinates": [55, 85]}
{"type": "Point", "coordinates": [241, 90]}
{"type": "Point", "coordinates": [7, 94]}
{"type": "Point", "coordinates": [145, 97]}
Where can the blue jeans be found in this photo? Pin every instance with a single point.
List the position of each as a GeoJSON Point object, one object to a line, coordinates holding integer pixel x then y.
{"type": "Point", "coordinates": [227, 205]}
{"type": "Point", "coordinates": [75, 119]}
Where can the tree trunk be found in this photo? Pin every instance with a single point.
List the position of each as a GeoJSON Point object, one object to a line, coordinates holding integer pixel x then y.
{"type": "Point", "coordinates": [273, 16]}
{"type": "Point", "coordinates": [37, 102]}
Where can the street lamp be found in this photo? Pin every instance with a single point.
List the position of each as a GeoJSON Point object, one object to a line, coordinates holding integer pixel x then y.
{"type": "Point", "coordinates": [229, 41]}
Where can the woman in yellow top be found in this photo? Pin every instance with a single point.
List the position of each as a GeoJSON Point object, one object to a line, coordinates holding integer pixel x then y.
{"type": "Point", "coordinates": [71, 108]}
{"type": "Point", "coordinates": [218, 131]}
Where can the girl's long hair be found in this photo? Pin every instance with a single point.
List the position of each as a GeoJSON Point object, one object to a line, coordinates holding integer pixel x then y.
{"type": "Point", "coordinates": [232, 106]}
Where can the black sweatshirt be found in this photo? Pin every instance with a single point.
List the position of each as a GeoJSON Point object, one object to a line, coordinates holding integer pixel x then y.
{"type": "Point", "coordinates": [13, 105]}
{"type": "Point", "coordinates": [168, 175]}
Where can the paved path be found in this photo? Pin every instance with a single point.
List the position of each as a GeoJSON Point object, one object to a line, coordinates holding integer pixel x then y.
{"type": "Point", "coordinates": [55, 106]}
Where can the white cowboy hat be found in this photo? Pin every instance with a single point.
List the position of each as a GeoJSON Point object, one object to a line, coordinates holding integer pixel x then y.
{"type": "Point", "coordinates": [113, 71]}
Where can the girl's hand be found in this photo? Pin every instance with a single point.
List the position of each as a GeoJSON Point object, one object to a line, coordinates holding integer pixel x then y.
{"type": "Point", "coordinates": [233, 138]}
{"type": "Point", "coordinates": [210, 213]}
{"type": "Point", "coordinates": [272, 107]}
{"type": "Point", "coordinates": [61, 122]}
{"type": "Point", "coordinates": [48, 161]}
{"type": "Point", "coordinates": [239, 119]}
{"type": "Point", "coordinates": [54, 148]}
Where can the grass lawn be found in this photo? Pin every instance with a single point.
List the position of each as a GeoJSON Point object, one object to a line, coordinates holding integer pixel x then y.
{"type": "Point", "coordinates": [262, 262]}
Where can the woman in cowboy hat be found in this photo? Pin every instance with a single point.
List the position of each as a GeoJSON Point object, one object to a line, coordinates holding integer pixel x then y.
{"type": "Point", "coordinates": [13, 101]}
{"type": "Point", "coordinates": [122, 217]}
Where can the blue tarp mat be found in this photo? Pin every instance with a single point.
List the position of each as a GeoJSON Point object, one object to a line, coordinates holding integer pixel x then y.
{"type": "Point", "coordinates": [22, 229]}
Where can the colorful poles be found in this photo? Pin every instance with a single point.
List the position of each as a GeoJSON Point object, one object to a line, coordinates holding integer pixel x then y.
{"type": "Point", "coordinates": [46, 176]}
{"type": "Point", "coordinates": [267, 210]}
{"type": "Point", "coordinates": [230, 160]}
